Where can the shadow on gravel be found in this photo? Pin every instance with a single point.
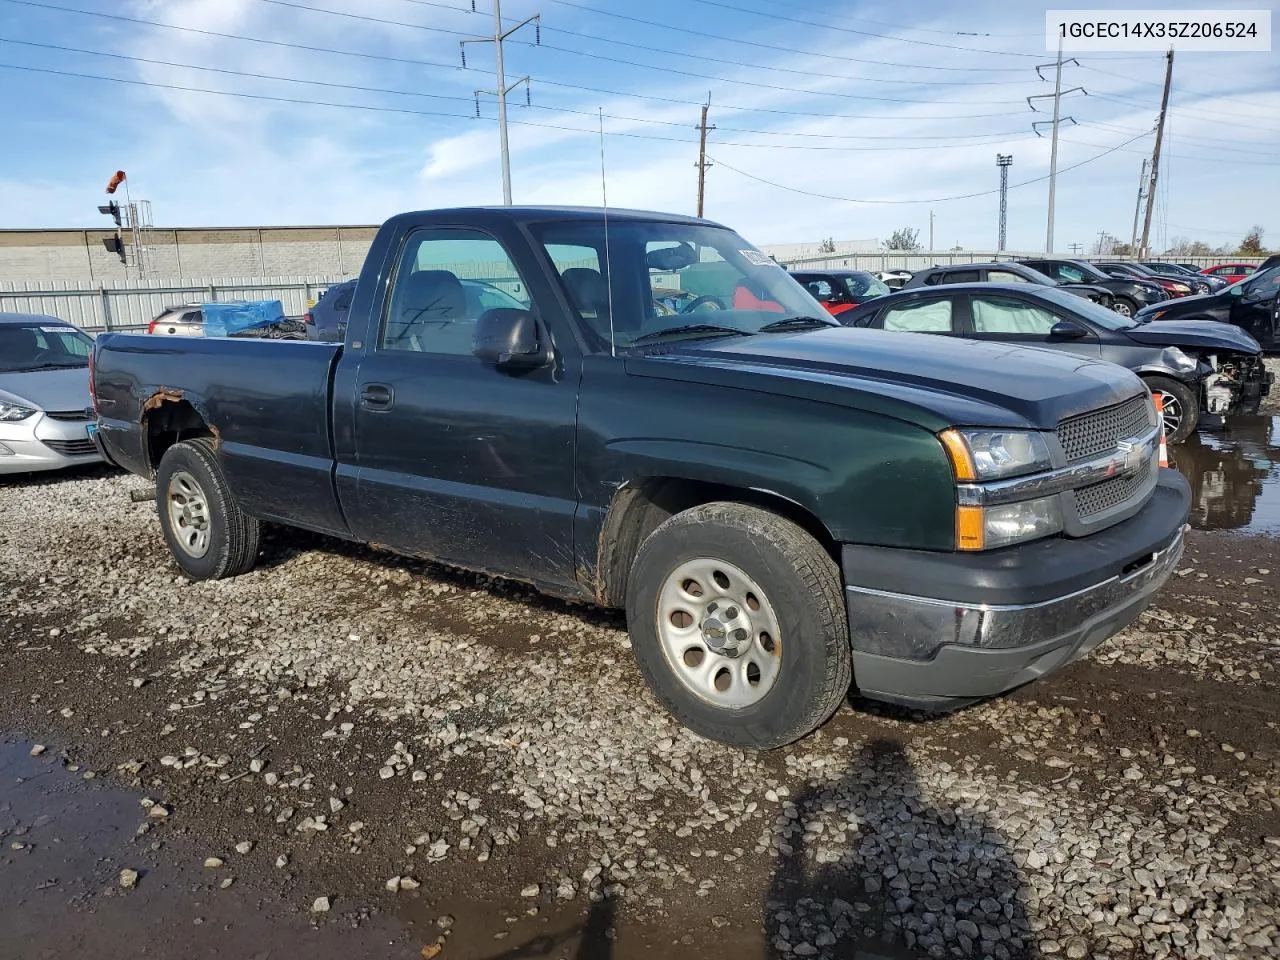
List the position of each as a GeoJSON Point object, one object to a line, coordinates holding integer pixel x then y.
{"type": "Point", "coordinates": [908, 875]}
{"type": "Point", "coordinates": [594, 938]}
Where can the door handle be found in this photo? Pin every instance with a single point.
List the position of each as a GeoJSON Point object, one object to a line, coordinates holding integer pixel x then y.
{"type": "Point", "coordinates": [376, 396]}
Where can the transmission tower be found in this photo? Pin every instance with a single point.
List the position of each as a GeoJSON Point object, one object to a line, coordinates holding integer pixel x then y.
{"type": "Point", "coordinates": [1003, 161]}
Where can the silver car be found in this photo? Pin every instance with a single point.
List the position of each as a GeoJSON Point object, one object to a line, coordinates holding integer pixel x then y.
{"type": "Point", "coordinates": [46, 417]}
{"type": "Point", "coordinates": [185, 321]}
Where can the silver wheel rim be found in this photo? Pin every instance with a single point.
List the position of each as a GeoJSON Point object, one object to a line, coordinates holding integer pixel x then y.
{"type": "Point", "coordinates": [719, 633]}
{"type": "Point", "coordinates": [1123, 309]}
{"type": "Point", "coordinates": [1172, 413]}
{"type": "Point", "coordinates": [188, 514]}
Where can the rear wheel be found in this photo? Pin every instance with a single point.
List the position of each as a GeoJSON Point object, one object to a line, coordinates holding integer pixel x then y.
{"type": "Point", "coordinates": [207, 532]}
{"type": "Point", "coordinates": [737, 621]}
{"type": "Point", "coordinates": [1181, 407]}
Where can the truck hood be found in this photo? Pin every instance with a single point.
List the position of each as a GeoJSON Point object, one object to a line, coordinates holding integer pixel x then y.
{"type": "Point", "coordinates": [62, 389]}
{"type": "Point", "coordinates": [1206, 334]}
{"type": "Point", "coordinates": [934, 381]}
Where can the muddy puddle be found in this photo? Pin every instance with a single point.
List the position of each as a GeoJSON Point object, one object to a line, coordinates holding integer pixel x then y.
{"type": "Point", "coordinates": [64, 842]}
{"type": "Point", "coordinates": [1234, 475]}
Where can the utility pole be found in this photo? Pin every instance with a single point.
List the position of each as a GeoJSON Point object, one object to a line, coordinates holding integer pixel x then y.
{"type": "Point", "coordinates": [1137, 207]}
{"type": "Point", "coordinates": [931, 231]}
{"type": "Point", "coordinates": [499, 36]}
{"type": "Point", "coordinates": [1155, 154]}
{"type": "Point", "coordinates": [1058, 94]}
{"type": "Point", "coordinates": [702, 154]}
{"type": "Point", "coordinates": [1003, 161]}
{"type": "Point", "coordinates": [1075, 248]}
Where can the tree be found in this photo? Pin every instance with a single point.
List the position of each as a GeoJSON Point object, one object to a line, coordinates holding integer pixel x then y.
{"type": "Point", "coordinates": [827, 246]}
{"type": "Point", "coordinates": [1251, 245]}
{"type": "Point", "coordinates": [1119, 249]}
{"type": "Point", "coordinates": [1184, 247]}
{"type": "Point", "coordinates": [904, 238]}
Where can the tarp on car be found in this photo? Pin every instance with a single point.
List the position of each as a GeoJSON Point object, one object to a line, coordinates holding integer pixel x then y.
{"type": "Point", "coordinates": [227, 318]}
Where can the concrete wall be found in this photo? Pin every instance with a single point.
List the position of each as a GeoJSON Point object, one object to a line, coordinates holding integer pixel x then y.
{"type": "Point", "coordinates": [185, 252]}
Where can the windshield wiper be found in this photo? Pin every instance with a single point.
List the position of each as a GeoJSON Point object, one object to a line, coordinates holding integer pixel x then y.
{"type": "Point", "coordinates": [690, 328]}
{"type": "Point", "coordinates": [796, 323]}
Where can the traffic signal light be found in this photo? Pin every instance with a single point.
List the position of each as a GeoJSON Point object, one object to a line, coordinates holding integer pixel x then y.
{"type": "Point", "coordinates": [115, 245]}
{"type": "Point", "coordinates": [112, 210]}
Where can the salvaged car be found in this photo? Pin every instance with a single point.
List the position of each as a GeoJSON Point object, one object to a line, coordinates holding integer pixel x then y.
{"type": "Point", "coordinates": [1198, 367]}
{"type": "Point", "coordinates": [1005, 271]}
{"type": "Point", "coordinates": [45, 415]}
{"type": "Point", "coordinates": [783, 507]}
{"type": "Point", "coordinates": [841, 290]}
{"type": "Point", "coordinates": [1252, 304]}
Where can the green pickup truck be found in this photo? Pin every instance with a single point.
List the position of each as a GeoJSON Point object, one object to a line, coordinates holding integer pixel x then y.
{"type": "Point", "coordinates": [785, 508]}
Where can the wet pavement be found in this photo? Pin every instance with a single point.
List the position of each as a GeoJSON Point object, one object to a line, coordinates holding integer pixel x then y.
{"type": "Point", "coordinates": [1234, 475]}
{"type": "Point", "coordinates": [64, 841]}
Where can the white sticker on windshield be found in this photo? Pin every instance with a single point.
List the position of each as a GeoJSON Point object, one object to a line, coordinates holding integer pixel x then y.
{"type": "Point", "coordinates": [757, 259]}
{"type": "Point", "coordinates": [53, 329]}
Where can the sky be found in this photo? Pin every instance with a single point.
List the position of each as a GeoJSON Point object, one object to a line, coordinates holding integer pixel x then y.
{"type": "Point", "coordinates": [832, 119]}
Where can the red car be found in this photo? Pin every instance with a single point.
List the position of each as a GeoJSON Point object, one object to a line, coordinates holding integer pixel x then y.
{"type": "Point", "coordinates": [1230, 272]}
{"type": "Point", "coordinates": [841, 290]}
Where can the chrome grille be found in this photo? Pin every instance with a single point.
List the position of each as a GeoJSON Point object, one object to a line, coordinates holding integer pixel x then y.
{"type": "Point", "coordinates": [1101, 497]}
{"type": "Point", "coordinates": [1098, 431]}
{"type": "Point", "coordinates": [70, 416]}
{"type": "Point", "coordinates": [72, 448]}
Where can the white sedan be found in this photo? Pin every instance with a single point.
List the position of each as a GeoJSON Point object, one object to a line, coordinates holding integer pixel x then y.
{"type": "Point", "coordinates": [46, 418]}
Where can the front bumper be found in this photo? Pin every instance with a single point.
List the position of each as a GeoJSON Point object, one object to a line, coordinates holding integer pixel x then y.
{"type": "Point", "coordinates": [992, 622]}
{"type": "Point", "coordinates": [43, 443]}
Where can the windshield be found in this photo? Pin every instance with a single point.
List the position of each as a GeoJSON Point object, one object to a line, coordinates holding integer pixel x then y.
{"type": "Point", "coordinates": [1086, 271]}
{"type": "Point", "coordinates": [1166, 269]}
{"type": "Point", "coordinates": [1101, 316]}
{"type": "Point", "coordinates": [37, 346]}
{"type": "Point", "coordinates": [864, 285]}
{"type": "Point", "coordinates": [657, 281]}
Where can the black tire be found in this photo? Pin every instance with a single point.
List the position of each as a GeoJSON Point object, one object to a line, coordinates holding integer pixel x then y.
{"type": "Point", "coordinates": [1124, 306]}
{"type": "Point", "coordinates": [802, 588]}
{"type": "Point", "coordinates": [230, 535]}
{"type": "Point", "coordinates": [1177, 428]}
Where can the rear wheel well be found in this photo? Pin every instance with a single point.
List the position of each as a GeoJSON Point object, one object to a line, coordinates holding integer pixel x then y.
{"type": "Point", "coordinates": [641, 506]}
{"type": "Point", "coordinates": [169, 422]}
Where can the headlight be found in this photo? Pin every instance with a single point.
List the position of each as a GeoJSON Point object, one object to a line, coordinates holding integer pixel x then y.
{"type": "Point", "coordinates": [1181, 287]}
{"type": "Point", "coordinates": [1177, 360]}
{"type": "Point", "coordinates": [12, 412]}
{"type": "Point", "coordinates": [995, 454]}
{"type": "Point", "coordinates": [986, 528]}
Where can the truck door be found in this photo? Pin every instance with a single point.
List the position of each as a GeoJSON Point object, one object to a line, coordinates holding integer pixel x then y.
{"type": "Point", "coordinates": [449, 457]}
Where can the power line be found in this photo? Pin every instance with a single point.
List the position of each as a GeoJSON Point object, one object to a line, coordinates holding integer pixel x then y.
{"type": "Point", "coordinates": [435, 113]}
{"type": "Point", "coordinates": [640, 64]}
{"type": "Point", "coordinates": [311, 48]}
{"type": "Point", "coordinates": [859, 33]}
{"type": "Point", "coordinates": [1181, 89]}
{"type": "Point", "coordinates": [755, 43]}
{"type": "Point", "coordinates": [950, 33]}
{"type": "Point", "coordinates": [966, 196]}
{"type": "Point", "coordinates": [984, 137]}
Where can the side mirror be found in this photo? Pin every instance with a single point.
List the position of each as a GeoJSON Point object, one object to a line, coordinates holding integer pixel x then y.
{"type": "Point", "coordinates": [508, 338]}
{"type": "Point", "coordinates": [1235, 291]}
{"type": "Point", "coordinates": [1067, 330]}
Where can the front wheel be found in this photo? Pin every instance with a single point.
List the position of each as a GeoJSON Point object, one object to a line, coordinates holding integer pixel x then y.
{"type": "Point", "coordinates": [1181, 407]}
{"type": "Point", "coordinates": [1126, 308]}
{"type": "Point", "coordinates": [207, 532]}
{"type": "Point", "coordinates": [738, 624]}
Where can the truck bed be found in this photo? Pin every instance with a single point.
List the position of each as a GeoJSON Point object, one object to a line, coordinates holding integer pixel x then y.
{"type": "Point", "coordinates": [268, 398]}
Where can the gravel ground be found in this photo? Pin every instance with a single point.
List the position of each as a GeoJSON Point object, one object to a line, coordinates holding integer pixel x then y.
{"type": "Point", "coordinates": [487, 767]}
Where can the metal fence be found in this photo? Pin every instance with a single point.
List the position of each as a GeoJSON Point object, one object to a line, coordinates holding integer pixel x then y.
{"type": "Point", "coordinates": [920, 259]}
{"type": "Point", "coordinates": [132, 305]}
